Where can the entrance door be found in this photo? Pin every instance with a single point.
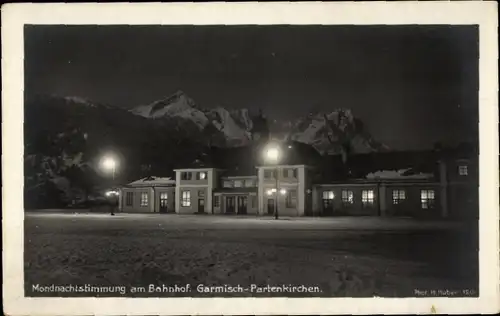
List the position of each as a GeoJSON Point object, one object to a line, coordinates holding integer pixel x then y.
{"type": "Point", "coordinates": [163, 202]}
{"type": "Point", "coordinates": [327, 207]}
{"type": "Point", "coordinates": [230, 203]}
{"type": "Point", "coordinates": [242, 204]}
{"type": "Point", "coordinates": [201, 205]}
{"type": "Point", "coordinates": [270, 206]}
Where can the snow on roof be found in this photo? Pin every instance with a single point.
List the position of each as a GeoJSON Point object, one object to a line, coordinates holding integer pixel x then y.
{"type": "Point", "coordinates": [153, 181]}
{"type": "Point", "coordinates": [398, 174]}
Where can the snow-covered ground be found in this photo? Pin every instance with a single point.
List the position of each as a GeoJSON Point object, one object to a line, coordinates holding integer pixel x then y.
{"type": "Point", "coordinates": [342, 256]}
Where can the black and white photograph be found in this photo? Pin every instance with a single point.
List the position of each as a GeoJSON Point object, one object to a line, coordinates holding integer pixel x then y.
{"type": "Point", "coordinates": [253, 161]}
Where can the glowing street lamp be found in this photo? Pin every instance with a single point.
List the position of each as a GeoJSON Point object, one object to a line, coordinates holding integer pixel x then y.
{"type": "Point", "coordinates": [272, 155]}
{"type": "Point", "coordinates": [109, 165]}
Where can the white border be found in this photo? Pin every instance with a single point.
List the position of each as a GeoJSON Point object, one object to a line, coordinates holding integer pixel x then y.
{"type": "Point", "coordinates": [15, 15]}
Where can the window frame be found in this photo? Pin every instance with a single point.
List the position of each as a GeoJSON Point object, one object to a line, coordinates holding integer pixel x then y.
{"type": "Point", "coordinates": [217, 201]}
{"type": "Point", "coordinates": [240, 182]}
{"type": "Point", "coordinates": [398, 196]}
{"type": "Point", "coordinates": [347, 197]}
{"type": "Point", "coordinates": [253, 201]}
{"type": "Point", "coordinates": [366, 200]}
{"type": "Point", "coordinates": [463, 170]}
{"type": "Point", "coordinates": [227, 184]}
{"type": "Point", "coordinates": [429, 201]}
{"type": "Point", "coordinates": [129, 199]}
{"type": "Point", "coordinates": [291, 199]}
{"type": "Point", "coordinates": [269, 173]}
{"type": "Point", "coordinates": [144, 199]}
{"type": "Point", "coordinates": [329, 196]}
{"type": "Point", "coordinates": [186, 200]}
{"type": "Point", "coordinates": [163, 199]}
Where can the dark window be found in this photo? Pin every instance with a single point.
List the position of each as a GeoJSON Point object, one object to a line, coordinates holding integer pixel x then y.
{"type": "Point", "coordinates": [347, 197]}
{"type": "Point", "coordinates": [291, 199]}
{"type": "Point", "coordinates": [216, 201]}
{"type": "Point", "coordinates": [129, 198]}
{"type": "Point", "coordinates": [398, 196]}
{"type": "Point", "coordinates": [186, 175]}
{"type": "Point", "coordinates": [254, 201]}
{"type": "Point", "coordinates": [427, 198]}
{"type": "Point", "coordinates": [269, 174]}
{"type": "Point", "coordinates": [367, 197]}
{"type": "Point", "coordinates": [227, 184]}
{"type": "Point", "coordinates": [186, 198]}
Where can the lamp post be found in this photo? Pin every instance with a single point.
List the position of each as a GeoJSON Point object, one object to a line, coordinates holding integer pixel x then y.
{"type": "Point", "coordinates": [273, 155]}
{"type": "Point", "coordinates": [109, 165]}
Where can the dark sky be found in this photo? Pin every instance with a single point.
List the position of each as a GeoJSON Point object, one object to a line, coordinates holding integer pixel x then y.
{"type": "Point", "coordinates": [410, 85]}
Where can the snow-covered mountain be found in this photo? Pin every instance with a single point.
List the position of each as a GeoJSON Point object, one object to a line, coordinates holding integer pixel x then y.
{"type": "Point", "coordinates": [331, 132]}
{"type": "Point", "coordinates": [177, 105]}
{"type": "Point", "coordinates": [234, 124]}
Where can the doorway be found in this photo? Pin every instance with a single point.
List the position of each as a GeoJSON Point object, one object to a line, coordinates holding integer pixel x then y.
{"type": "Point", "coordinates": [201, 205]}
{"type": "Point", "coordinates": [327, 207]}
{"type": "Point", "coordinates": [163, 202]}
{"type": "Point", "coordinates": [242, 204]}
{"type": "Point", "coordinates": [230, 203]}
{"type": "Point", "coordinates": [270, 206]}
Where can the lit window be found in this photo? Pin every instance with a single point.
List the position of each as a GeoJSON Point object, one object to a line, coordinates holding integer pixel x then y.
{"type": "Point", "coordinates": [462, 170]}
{"type": "Point", "coordinates": [186, 198]}
{"type": "Point", "coordinates": [238, 183]}
{"type": "Point", "coordinates": [291, 199]}
{"type": "Point", "coordinates": [129, 199]}
{"type": "Point", "coordinates": [427, 198]}
{"type": "Point", "coordinates": [328, 195]}
{"type": "Point", "coordinates": [163, 199]}
{"type": "Point", "coordinates": [398, 196]}
{"type": "Point", "coordinates": [201, 176]}
{"type": "Point", "coordinates": [367, 197]}
{"type": "Point", "coordinates": [144, 199]}
{"type": "Point", "coordinates": [216, 201]}
{"type": "Point", "coordinates": [347, 197]}
{"type": "Point", "coordinates": [227, 184]}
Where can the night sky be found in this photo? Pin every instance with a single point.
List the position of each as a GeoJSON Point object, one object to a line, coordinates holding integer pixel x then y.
{"type": "Point", "coordinates": [410, 85]}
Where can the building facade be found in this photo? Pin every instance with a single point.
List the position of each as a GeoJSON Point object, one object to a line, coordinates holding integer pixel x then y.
{"type": "Point", "coordinates": [148, 195]}
{"type": "Point", "coordinates": [447, 189]}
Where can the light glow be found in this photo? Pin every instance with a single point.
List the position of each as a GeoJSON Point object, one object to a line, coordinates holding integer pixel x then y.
{"type": "Point", "coordinates": [108, 163]}
{"type": "Point", "coordinates": [272, 154]}
{"type": "Point", "coordinates": [283, 191]}
{"type": "Point", "coordinates": [112, 192]}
